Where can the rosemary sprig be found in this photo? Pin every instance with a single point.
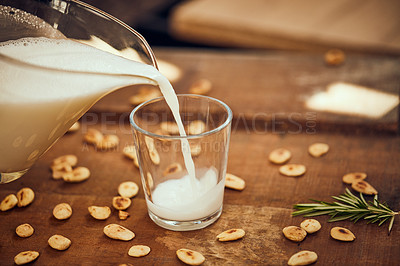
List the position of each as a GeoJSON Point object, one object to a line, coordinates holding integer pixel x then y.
{"type": "Point", "coordinates": [349, 206]}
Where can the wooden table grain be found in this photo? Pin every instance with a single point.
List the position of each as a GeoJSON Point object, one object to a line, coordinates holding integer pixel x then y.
{"type": "Point", "coordinates": [262, 209]}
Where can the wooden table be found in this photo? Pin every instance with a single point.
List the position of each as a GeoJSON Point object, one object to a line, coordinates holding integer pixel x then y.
{"type": "Point", "coordinates": [263, 208]}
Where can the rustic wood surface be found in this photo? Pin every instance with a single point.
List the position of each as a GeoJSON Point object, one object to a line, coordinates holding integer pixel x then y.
{"type": "Point", "coordinates": [262, 209]}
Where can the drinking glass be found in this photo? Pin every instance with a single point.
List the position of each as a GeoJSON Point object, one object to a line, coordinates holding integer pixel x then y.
{"type": "Point", "coordinates": [176, 200]}
{"type": "Point", "coordinates": [29, 129]}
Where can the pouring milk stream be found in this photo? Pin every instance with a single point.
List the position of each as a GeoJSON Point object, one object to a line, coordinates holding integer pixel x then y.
{"type": "Point", "coordinates": [48, 111]}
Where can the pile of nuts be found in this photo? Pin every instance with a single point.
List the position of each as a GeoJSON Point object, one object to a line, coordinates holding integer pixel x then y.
{"type": "Point", "coordinates": [62, 168]}
{"type": "Point", "coordinates": [101, 141]}
{"type": "Point", "coordinates": [192, 257]}
{"type": "Point", "coordinates": [282, 155]}
{"type": "Point", "coordinates": [298, 233]}
{"type": "Point", "coordinates": [357, 182]}
{"type": "Point", "coordinates": [310, 226]}
{"type": "Point", "coordinates": [24, 197]}
{"type": "Point", "coordinates": [63, 211]}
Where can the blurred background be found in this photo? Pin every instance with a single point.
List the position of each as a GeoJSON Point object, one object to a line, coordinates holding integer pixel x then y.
{"type": "Point", "coordinates": [365, 26]}
{"type": "Point", "coordinates": [309, 49]}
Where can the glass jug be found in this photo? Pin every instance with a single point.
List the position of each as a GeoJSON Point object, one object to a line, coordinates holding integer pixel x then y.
{"type": "Point", "coordinates": [36, 106]}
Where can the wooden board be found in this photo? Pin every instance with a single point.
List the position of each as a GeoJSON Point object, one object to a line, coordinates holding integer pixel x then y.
{"type": "Point", "coordinates": [367, 26]}
{"type": "Point", "coordinates": [269, 89]}
{"type": "Point", "coordinates": [262, 209]}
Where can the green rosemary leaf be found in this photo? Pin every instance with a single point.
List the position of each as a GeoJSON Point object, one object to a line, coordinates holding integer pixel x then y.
{"type": "Point", "coordinates": [373, 220]}
{"type": "Point", "coordinates": [327, 208]}
{"type": "Point", "coordinates": [357, 210]}
{"type": "Point", "coordinates": [301, 212]}
{"type": "Point", "coordinates": [383, 220]}
{"type": "Point", "coordinates": [370, 216]}
{"type": "Point", "coordinates": [351, 195]}
{"type": "Point", "coordinates": [383, 206]}
{"type": "Point", "coordinates": [377, 210]}
{"type": "Point", "coordinates": [384, 216]}
{"type": "Point", "coordinates": [341, 218]}
{"type": "Point", "coordinates": [342, 205]}
{"type": "Point", "coordinates": [363, 200]}
{"type": "Point", "coordinates": [375, 201]}
{"type": "Point", "coordinates": [347, 200]}
{"type": "Point", "coordinates": [317, 213]}
{"type": "Point", "coordinates": [391, 224]}
{"type": "Point", "coordinates": [358, 217]}
{"type": "Point", "coordinates": [334, 214]}
{"type": "Point", "coordinates": [321, 202]}
{"type": "Point", "coordinates": [307, 205]}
